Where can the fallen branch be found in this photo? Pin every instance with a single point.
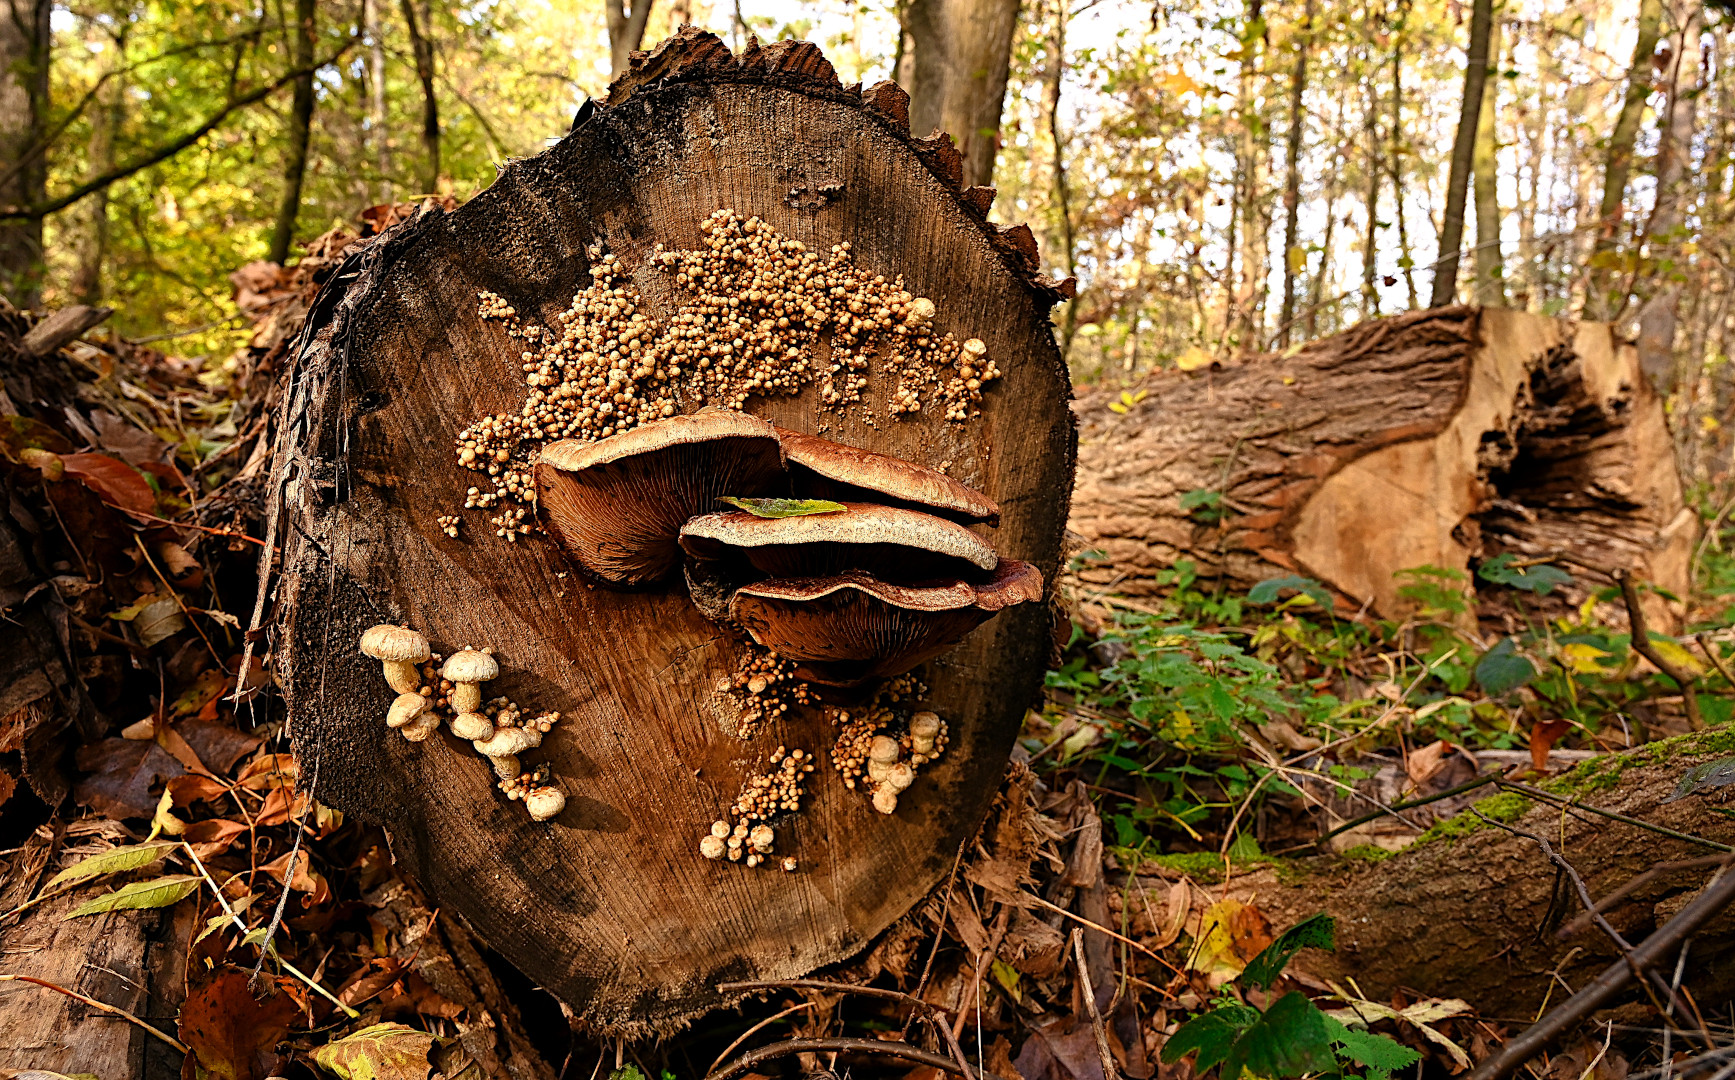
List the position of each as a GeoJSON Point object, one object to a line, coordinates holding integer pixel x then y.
{"type": "Point", "coordinates": [1641, 641]}
{"type": "Point", "coordinates": [95, 1004]}
{"type": "Point", "coordinates": [1570, 1012]}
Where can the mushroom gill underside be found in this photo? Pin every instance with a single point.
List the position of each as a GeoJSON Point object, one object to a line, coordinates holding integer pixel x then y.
{"type": "Point", "coordinates": [621, 520]}
{"type": "Point", "coordinates": [852, 628]}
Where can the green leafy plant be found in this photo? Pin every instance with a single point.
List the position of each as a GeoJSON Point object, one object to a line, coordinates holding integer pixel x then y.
{"type": "Point", "coordinates": [1203, 505]}
{"type": "Point", "coordinates": [1540, 579]}
{"type": "Point", "coordinates": [1267, 591]}
{"type": "Point", "coordinates": [1289, 1038]}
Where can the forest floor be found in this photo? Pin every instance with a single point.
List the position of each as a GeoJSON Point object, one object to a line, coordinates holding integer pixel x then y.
{"type": "Point", "coordinates": [1182, 743]}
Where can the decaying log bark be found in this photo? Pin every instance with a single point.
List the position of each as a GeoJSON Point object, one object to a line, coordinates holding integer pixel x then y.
{"type": "Point", "coordinates": [1436, 438]}
{"type": "Point", "coordinates": [1476, 915]}
{"type": "Point", "coordinates": [609, 905]}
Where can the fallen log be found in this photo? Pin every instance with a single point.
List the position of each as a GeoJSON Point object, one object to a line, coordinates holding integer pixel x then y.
{"type": "Point", "coordinates": [1473, 911]}
{"type": "Point", "coordinates": [937, 352]}
{"type": "Point", "coordinates": [1435, 438]}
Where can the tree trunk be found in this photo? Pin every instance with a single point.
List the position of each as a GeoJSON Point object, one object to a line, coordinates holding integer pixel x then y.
{"type": "Point", "coordinates": [1370, 303]}
{"type": "Point", "coordinates": [1660, 316]}
{"type": "Point", "coordinates": [1463, 151]}
{"type": "Point", "coordinates": [1246, 325]}
{"type": "Point", "coordinates": [1490, 266]}
{"type": "Point", "coordinates": [955, 69]}
{"type": "Point", "coordinates": [105, 121]}
{"type": "Point", "coordinates": [300, 131]}
{"type": "Point", "coordinates": [1294, 259]}
{"type": "Point", "coordinates": [1440, 437]}
{"type": "Point", "coordinates": [1479, 917]}
{"type": "Point", "coordinates": [24, 55]}
{"type": "Point", "coordinates": [1604, 295]}
{"type": "Point", "coordinates": [610, 904]}
{"type": "Point", "coordinates": [1062, 188]}
{"type": "Point", "coordinates": [379, 129]}
{"type": "Point", "coordinates": [1405, 258]}
{"type": "Point", "coordinates": [626, 31]}
{"type": "Point", "coordinates": [423, 49]}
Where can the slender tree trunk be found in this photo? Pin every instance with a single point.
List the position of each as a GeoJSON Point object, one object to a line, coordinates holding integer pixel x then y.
{"type": "Point", "coordinates": [422, 46]}
{"type": "Point", "coordinates": [1602, 296]}
{"type": "Point", "coordinates": [1317, 298]}
{"type": "Point", "coordinates": [1463, 150]}
{"type": "Point", "coordinates": [300, 129]}
{"type": "Point", "coordinates": [1370, 304]}
{"type": "Point", "coordinates": [378, 130]}
{"type": "Point", "coordinates": [1406, 258]}
{"type": "Point", "coordinates": [1294, 259]}
{"type": "Point", "coordinates": [1490, 264]}
{"type": "Point", "coordinates": [955, 66]}
{"type": "Point", "coordinates": [1062, 190]}
{"type": "Point", "coordinates": [105, 120]}
{"type": "Point", "coordinates": [1656, 342]}
{"type": "Point", "coordinates": [626, 31]}
{"type": "Point", "coordinates": [1254, 271]}
{"type": "Point", "coordinates": [24, 55]}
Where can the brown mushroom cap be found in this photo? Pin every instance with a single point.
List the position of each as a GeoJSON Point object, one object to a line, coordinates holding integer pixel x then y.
{"type": "Point", "coordinates": [847, 629]}
{"type": "Point", "coordinates": [617, 505]}
{"type": "Point", "coordinates": [888, 542]}
{"type": "Point", "coordinates": [396, 644]}
{"type": "Point", "coordinates": [822, 469]}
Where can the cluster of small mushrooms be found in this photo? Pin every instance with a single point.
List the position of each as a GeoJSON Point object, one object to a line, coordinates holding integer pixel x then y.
{"type": "Point", "coordinates": [431, 689]}
{"type": "Point", "coordinates": [754, 313]}
{"type": "Point", "coordinates": [850, 567]}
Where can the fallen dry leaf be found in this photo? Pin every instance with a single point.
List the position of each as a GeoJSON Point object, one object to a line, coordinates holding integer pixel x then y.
{"type": "Point", "coordinates": [230, 1034]}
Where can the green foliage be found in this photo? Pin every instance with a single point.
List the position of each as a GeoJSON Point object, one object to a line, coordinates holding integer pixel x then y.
{"type": "Point", "coordinates": [156, 893]}
{"type": "Point", "coordinates": [1290, 1038]}
{"type": "Point", "coordinates": [783, 508]}
{"type": "Point", "coordinates": [1203, 506]}
{"type": "Point", "coordinates": [1267, 591]}
{"type": "Point", "coordinates": [1540, 579]}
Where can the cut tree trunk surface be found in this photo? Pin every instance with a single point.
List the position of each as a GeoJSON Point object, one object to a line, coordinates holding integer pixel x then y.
{"type": "Point", "coordinates": [610, 905]}
{"type": "Point", "coordinates": [1435, 438]}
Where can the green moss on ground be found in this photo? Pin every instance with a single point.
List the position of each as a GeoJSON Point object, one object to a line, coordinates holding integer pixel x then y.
{"type": "Point", "coordinates": [1372, 853]}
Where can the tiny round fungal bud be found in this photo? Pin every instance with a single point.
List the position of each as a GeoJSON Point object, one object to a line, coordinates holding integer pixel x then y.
{"type": "Point", "coordinates": [761, 838]}
{"type": "Point", "coordinates": [544, 803]}
{"type": "Point", "coordinates": [900, 776]}
{"type": "Point", "coordinates": [712, 847]}
{"type": "Point", "coordinates": [507, 766]}
{"type": "Point", "coordinates": [754, 859]}
{"type": "Point", "coordinates": [975, 349]}
{"type": "Point", "coordinates": [789, 864]}
{"type": "Point", "coordinates": [921, 310]}
{"type": "Point", "coordinates": [720, 829]}
{"type": "Point", "coordinates": [406, 708]}
{"type": "Point", "coordinates": [472, 726]}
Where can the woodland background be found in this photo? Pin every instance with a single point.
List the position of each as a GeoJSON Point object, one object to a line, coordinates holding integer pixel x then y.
{"type": "Point", "coordinates": [1222, 179]}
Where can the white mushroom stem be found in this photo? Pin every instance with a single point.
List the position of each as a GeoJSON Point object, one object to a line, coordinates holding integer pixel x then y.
{"type": "Point", "coordinates": [507, 767]}
{"type": "Point", "coordinates": [544, 803]}
{"type": "Point", "coordinates": [405, 708]}
{"type": "Point", "coordinates": [882, 754]}
{"type": "Point", "coordinates": [402, 676]}
{"type": "Point", "coordinates": [508, 741]}
{"type": "Point", "coordinates": [466, 697]}
{"type": "Point", "coordinates": [472, 726]}
{"type": "Point", "coordinates": [924, 729]}
{"type": "Point", "coordinates": [885, 800]}
{"type": "Point", "coordinates": [421, 727]}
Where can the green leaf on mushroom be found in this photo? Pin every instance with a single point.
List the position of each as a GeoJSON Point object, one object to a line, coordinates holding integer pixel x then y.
{"type": "Point", "coordinates": [783, 508]}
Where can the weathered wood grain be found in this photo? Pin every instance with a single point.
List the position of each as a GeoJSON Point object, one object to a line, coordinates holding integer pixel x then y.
{"type": "Point", "coordinates": [1437, 437]}
{"type": "Point", "coordinates": [609, 905]}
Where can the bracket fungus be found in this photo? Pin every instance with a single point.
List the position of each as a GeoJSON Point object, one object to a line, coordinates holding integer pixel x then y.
{"type": "Point", "coordinates": [887, 541]}
{"type": "Point", "coordinates": [399, 650]}
{"type": "Point", "coordinates": [822, 469]}
{"type": "Point", "coordinates": [849, 628]}
{"type": "Point", "coordinates": [467, 669]}
{"type": "Point", "coordinates": [617, 505]}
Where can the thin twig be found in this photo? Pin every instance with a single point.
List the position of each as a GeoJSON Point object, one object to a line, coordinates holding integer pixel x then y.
{"type": "Point", "coordinates": [1634, 884]}
{"type": "Point", "coordinates": [1713, 899]}
{"type": "Point", "coordinates": [1409, 805]}
{"type": "Point", "coordinates": [746, 1061]}
{"type": "Point", "coordinates": [1641, 642]}
{"type": "Point", "coordinates": [755, 1029]}
{"type": "Point", "coordinates": [266, 945]}
{"type": "Point", "coordinates": [1101, 929]}
{"type": "Point", "coordinates": [1097, 1030]}
{"type": "Point", "coordinates": [1716, 661]}
{"type": "Point", "coordinates": [95, 1004]}
{"type": "Point", "coordinates": [830, 987]}
{"type": "Point", "coordinates": [1637, 823]}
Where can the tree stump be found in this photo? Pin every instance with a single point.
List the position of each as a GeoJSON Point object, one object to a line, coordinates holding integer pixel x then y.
{"type": "Point", "coordinates": [610, 905]}
{"type": "Point", "coordinates": [1434, 438]}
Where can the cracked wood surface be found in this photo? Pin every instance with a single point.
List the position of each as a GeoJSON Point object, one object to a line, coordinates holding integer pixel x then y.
{"type": "Point", "coordinates": [609, 905]}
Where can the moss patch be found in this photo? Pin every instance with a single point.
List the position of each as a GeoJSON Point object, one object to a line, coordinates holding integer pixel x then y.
{"type": "Point", "coordinates": [1372, 853]}
{"type": "Point", "coordinates": [1508, 806]}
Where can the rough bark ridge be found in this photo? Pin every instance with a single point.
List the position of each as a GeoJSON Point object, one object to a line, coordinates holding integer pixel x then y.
{"type": "Point", "coordinates": [1439, 437]}
{"type": "Point", "coordinates": [609, 905]}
